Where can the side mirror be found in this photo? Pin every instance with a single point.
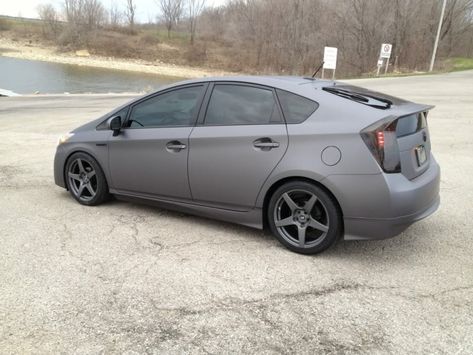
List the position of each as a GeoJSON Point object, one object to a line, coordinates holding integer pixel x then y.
{"type": "Point", "coordinates": [116, 125]}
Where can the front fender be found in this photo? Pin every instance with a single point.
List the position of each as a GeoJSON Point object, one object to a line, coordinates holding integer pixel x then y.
{"type": "Point", "coordinates": [97, 149]}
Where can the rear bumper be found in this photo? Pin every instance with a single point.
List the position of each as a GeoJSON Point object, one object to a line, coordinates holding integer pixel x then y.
{"type": "Point", "coordinates": [372, 229]}
{"type": "Point", "coordinates": [382, 206]}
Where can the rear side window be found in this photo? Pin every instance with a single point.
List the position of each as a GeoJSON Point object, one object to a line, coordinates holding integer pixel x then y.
{"type": "Point", "coordinates": [241, 105]}
{"type": "Point", "coordinates": [296, 108]}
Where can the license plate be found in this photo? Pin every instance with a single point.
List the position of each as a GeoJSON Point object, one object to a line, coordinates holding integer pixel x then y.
{"type": "Point", "coordinates": [421, 155]}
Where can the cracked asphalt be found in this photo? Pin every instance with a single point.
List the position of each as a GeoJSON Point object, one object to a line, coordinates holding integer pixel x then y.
{"type": "Point", "coordinates": [127, 278]}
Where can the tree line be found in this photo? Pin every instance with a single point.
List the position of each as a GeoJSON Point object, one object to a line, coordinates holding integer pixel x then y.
{"type": "Point", "coordinates": [288, 36]}
{"type": "Point", "coordinates": [78, 18]}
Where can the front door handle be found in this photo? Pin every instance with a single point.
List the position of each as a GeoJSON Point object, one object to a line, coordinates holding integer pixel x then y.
{"type": "Point", "coordinates": [265, 144]}
{"type": "Point", "coordinates": [175, 146]}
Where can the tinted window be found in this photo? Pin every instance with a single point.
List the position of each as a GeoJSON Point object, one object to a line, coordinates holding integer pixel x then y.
{"type": "Point", "coordinates": [174, 108]}
{"type": "Point", "coordinates": [410, 124]}
{"type": "Point", "coordinates": [296, 108]}
{"type": "Point", "coordinates": [241, 105]}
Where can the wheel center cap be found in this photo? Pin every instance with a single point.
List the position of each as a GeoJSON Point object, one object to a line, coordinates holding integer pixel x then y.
{"type": "Point", "coordinates": [301, 216]}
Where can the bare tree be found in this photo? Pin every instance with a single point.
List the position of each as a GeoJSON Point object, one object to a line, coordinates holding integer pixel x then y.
{"type": "Point", "coordinates": [281, 36]}
{"type": "Point", "coordinates": [115, 15]}
{"type": "Point", "coordinates": [50, 17]}
{"type": "Point", "coordinates": [130, 13]}
{"type": "Point", "coordinates": [88, 14]}
{"type": "Point", "coordinates": [195, 8]}
{"type": "Point", "coordinates": [171, 13]}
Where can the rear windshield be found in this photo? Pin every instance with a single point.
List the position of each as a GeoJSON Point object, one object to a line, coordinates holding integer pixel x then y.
{"type": "Point", "coordinates": [364, 96]}
{"type": "Point", "coordinates": [410, 124]}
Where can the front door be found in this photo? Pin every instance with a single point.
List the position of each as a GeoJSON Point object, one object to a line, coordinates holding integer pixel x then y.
{"type": "Point", "coordinates": [149, 156]}
{"type": "Point", "coordinates": [240, 141]}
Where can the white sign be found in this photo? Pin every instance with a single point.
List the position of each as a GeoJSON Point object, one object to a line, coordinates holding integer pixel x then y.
{"type": "Point", "coordinates": [386, 50]}
{"type": "Point", "coordinates": [380, 62]}
{"type": "Point", "coordinates": [330, 58]}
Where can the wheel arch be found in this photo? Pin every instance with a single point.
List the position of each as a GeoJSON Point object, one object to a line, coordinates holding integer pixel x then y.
{"type": "Point", "coordinates": [83, 151]}
{"type": "Point", "coordinates": [282, 181]}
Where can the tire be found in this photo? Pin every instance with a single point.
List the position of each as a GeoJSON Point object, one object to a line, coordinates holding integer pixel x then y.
{"type": "Point", "coordinates": [85, 180]}
{"type": "Point", "coordinates": [304, 217]}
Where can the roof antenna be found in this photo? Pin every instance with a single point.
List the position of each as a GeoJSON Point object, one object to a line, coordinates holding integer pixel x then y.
{"type": "Point", "coordinates": [318, 69]}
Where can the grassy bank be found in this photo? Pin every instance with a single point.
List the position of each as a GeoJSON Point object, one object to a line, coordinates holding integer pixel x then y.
{"type": "Point", "coordinates": [458, 64]}
{"type": "Point", "coordinates": [147, 48]}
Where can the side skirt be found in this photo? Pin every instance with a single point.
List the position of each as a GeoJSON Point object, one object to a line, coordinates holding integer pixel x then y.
{"type": "Point", "coordinates": [252, 218]}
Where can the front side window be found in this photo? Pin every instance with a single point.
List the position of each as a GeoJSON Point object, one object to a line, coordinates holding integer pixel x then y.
{"type": "Point", "coordinates": [241, 105]}
{"type": "Point", "coordinates": [174, 108]}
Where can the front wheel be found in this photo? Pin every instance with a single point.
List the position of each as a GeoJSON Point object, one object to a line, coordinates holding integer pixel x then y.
{"type": "Point", "coordinates": [304, 217]}
{"type": "Point", "coordinates": [86, 180]}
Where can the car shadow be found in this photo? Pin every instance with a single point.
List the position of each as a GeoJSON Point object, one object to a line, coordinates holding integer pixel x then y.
{"type": "Point", "coordinates": [242, 231]}
{"type": "Point", "coordinates": [404, 246]}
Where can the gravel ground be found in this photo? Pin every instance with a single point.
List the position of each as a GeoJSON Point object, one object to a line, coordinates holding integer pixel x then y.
{"type": "Point", "coordinates": [126, 278]}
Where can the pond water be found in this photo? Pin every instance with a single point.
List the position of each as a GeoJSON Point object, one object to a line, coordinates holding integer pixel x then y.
{"type": "Point", "coordinates": [28, 76]}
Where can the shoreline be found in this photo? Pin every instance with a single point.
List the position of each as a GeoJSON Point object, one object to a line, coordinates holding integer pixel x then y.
{"type": "Point", "coordinates": [23, 50]}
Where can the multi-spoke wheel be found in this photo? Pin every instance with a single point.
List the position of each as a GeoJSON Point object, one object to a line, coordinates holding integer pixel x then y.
{"type": "Point", "coordinates": [86, 180]}
{"type": "Point", "coordinates": [304, 217]}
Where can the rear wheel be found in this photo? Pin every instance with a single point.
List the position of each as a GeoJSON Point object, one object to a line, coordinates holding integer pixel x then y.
{"type": "Point", "coordinates": [85, 180]}
{"type": "Point", "coordinates": [304, 217]}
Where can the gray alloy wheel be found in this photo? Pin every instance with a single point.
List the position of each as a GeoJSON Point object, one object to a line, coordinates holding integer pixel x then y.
{"type": "Point", "coordinates": [82, 179]}
{"type": "Point", "coordinates": [304, 217]}
{"type": "Point", "coordinates": [86, 180]}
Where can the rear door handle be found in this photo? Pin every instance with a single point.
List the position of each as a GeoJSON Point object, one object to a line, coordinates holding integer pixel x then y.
{"type": "Point", "coordinates": [175, 146]}
{"type": "Point", "coordinates": [265, 144]}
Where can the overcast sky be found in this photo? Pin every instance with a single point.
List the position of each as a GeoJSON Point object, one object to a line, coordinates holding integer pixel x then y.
{"type": "Point", "coordinates": [145, 9]}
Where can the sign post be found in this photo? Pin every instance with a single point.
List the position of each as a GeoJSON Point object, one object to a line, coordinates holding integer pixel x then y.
{"type": "Point", "coordinates": [386, 49]}
{"type": "Point", "coordinates": [330, 60]}
{"type": "Point", "coordinates": [380, 64]}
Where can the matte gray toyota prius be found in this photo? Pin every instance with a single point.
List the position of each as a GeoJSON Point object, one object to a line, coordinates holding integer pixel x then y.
{"type": "Point", "coordinates": [312, 160]}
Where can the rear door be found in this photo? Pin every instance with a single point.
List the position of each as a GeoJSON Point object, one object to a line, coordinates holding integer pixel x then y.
{"type": "Point", "coordinates": [239, 140]}
{"type": "Point", "coordinates": [149, 156]}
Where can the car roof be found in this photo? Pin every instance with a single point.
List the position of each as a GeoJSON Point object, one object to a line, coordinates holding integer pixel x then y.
{"type": "Point", "coordinates": [281, 82]}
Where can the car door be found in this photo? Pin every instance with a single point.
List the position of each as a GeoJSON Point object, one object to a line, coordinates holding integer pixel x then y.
{"type": "Point", "coordinates": [149, 156]}
{"type": "Point", "coordinates": [239, 140]}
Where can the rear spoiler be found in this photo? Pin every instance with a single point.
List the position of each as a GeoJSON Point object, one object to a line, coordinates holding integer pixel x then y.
{"type": "Point", "coordinates": [409, 108]}
{"type": "Point", "coordinates": [378, 100]}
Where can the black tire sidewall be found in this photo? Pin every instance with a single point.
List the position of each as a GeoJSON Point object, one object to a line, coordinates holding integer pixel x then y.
{"type": "Point", "coordinates": [336, 225]}
{"type": "Point", "coordinates": [102, 187]}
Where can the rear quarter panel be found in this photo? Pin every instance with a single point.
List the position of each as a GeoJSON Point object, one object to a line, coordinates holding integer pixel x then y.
{"type": "Point", "coordinates": [336, 123]}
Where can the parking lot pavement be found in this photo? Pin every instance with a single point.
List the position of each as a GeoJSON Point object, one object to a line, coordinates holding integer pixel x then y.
{"type": "Point", "coordinates": [129, 278]}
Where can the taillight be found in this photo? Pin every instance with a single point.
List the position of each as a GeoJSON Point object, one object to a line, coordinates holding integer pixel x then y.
{"type": "Point", "coordinates": [381, 140]}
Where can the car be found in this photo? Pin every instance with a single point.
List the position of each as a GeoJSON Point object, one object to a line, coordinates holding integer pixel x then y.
{"type": "Point", "coordinates": [314, 161]}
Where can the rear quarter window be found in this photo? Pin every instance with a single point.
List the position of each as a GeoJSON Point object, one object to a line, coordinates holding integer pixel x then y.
{"type": "Point", "coordinates": [296, 108]}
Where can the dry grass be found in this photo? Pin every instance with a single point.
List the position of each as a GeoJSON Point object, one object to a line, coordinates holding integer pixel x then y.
{"type": "Point", "coordinates": [146, 42]}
